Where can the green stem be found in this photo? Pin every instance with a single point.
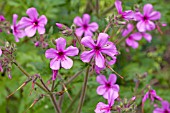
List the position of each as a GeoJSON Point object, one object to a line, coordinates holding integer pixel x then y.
{"type": "Point", "coordinates": [82, 47]}
{"type": "Point", "coordinates": [83, 90]}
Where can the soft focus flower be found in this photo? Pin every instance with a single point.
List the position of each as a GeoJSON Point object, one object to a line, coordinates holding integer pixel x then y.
{"type": "Point", "coordinates": [2, 18]}
{"type": "Point", "coordinates": [33, 23]}
{"type": "Point", "coordinates": [55, 72]}
{"type": "Point", "coordinates": [59, 55]}
{"type": "Point", "coordinates": [107, 86]}
{"type": "Point", "coordinates": [133, 38]}
{"type": "Point", "coordinates": [165, 108]}
{"type": "Point", "coordinates": [106, 108]}
{"type": "Point", "coordinates": [84, 26]}
{"type": "Point", "coordinates": [17, 30]}
{"type": "Point", "coordinates": [145, 20]}
{"type": "Point", "coordinates": [102, 46]}
{"type": "Point", "coordinates": [126, 14]}
{"type": "Point", "coordinates": [151, 94]}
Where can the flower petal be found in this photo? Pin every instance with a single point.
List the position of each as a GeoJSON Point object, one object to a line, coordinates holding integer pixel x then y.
{"type": "Point", "coordinates": [93, 26]}
{"type": "Point", "coordinates": [99, 60]}
{"type": "Point", "coordinates": [66, 63]}
{"type": "Point", "coordinates": [102, 108]}
{"type": "Point", "coordinates": [60, 44]}
{"type": "Point", "coordinates": [125, 32]}
{"type": "Point", "coordinates": [102, 39]}
{"type": "Point", "coordinates": [55, 64]}
{"type": "Point", "coordinates": [118, 5]}
{"type": "Point", "coordinates": [112, 79]}
{"type": "Point", "coordinates": [141, 26]}
{"type": "Point", "coordinates": [0, 52]}
{"type": "Point", "coordinates": [88, 33]}
{"type": "Point", "coordinates": [79, 31]}
{"type": "Point", "coordinates": [41, 30]}
{"type": "Point", "coordinates": [87, 55]}
{"type": "Point", "coordinates": [15, 16]}
{"type": "Point", "coordinates": [150, 25]}
{"type": "Point", "coordinates": [165, 105]}
{"type": "Point", "coordinates": [32, 13]}
{"type": "Point", "coordinates": [147, 9]}
{"type": "Point", "coordinates": [101, 79]}
{"type": "Point", "coordinates": [86, 18]}
{"type": "Point", "coordinates": [112, 95]}
{"type": "Point", "coordinates": [78, 21]}
{"type": "Point", "coordinates": [71, 51]}
{"type": "Point", "coordinates": [54, 75]}
{"type": "Point", "coordinates": [146, 96]}
{"type": "Point", "coordinates": [30, 31]}
{"type": "Point", "coordinates": [24, 22]}
{"type": "Point", "coordinates": [42, 20]}
{"type": "Point", "coordinates": [147, 36]}
{"type": "Point", "coordinates": [138, 16]}
{"type": "Point", "coordinates": [88, 42]}
{"type": "Point", "coordinates": [51, 53]}
{"type": "Point", "coordinates": [136, 36]}
{"type": "Point", "coordinates": [155, 15]}
{"type": "Point", "coordinates": [101, 89]}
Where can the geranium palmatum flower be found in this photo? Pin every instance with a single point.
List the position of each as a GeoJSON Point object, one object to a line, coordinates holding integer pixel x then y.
{"type": "Point", "coordinates": [84, 26]}
{"type": "Point", "coordinates": [0, 52]}
{"type": "Point", "coordinates": [17, 29]}
{"type": "Point", "coordinates": [102, 46]}
{"type": "Point", "coordinates": [59, 55]}
{"type": "Point", "coordinates": [145, 20]}
{"type": "Point", "coordinates": [151, 94]}
{"type": "Point", "coordinates": [33, 23]}
{"type": "Point", "coordinates": [133, 38]}
{"type": "Point", "coordinates": [107, 86]}
{"type": "Point", "coordinates": [106, 108]}
{"type": "Point", "coordinates": [165, 108]}
{"type": "Point", "coordinates": [2, 18]}
{"type": "Point", "coordinates": [128, 15]}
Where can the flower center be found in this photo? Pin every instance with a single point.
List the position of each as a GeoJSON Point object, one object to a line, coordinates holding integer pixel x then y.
{"type": "Point", "coordinates": [97, 48]}
{"type": "Point", "coordinates": [166, 111]}
{"type": "Point", "coordinates": [85, 26]}
{"type": "Point", "coordinates": [145, 18]}
{"type": "Point", "coordinates": [60, 53]}
{"type": "Point", "coordinates": [35, 23]}
{"type": "Point", "coordinates": [108, 85]}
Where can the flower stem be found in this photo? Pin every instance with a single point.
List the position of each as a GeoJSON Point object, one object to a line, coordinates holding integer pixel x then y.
{"type": "Point", "coordinates": [53, 99]}
{"type": "Point", "coordinates": [82, 47]}
{"type": "Point", "coordinates": [83, 90]}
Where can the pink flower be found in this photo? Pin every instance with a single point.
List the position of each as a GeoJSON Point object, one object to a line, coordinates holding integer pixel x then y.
{"type": "Point", "coordinates": [102, 46]}
{"type": "Point", "coordinates": [84, 26]}
{"type": "Point", "coordinates": [133, 38]}
{"type": "Point", "coordinates": [106, 108]}
{"type": "Point", "coordinates": [128, 15]}
{"type": "Point", "coordinates": [151, 94]}
{"type": "Point", "coordinates": [165, 108]}
{"type": "Point", "coordinates": [2, 18]}
{"type": "Point", "coordinates": [55, 72]}
{"type": "Point", "coordinates": [17, 30]}
{"type": "Point", "coordinates": [145, 20]}
{"type": "Point", "coordinates": [33, 23]}
{"type": "Point", "coordinates": [107, 86]}
{"type": "Point", "coordinates": [59, 55]}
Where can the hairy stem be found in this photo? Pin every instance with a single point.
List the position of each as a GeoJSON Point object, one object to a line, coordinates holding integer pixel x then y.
{"type": "Point", "coordinates": [83, 90]}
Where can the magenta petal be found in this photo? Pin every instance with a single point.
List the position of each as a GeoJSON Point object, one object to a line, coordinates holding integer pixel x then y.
{"type": "Point", "coordinates": [60, 44]}
{"type": "Point", "coordinates": [66, 63]}
{"type": "Point", "coordinates": [41, 30]}
{"type": "Point", "coordinates": [78, 21]}
{"type": "Point", "coordinates": [115, 88]}
{"type": "Point", "coordinates": [88, 42]}
{"type": "Point", "coordinates": [159, 110]}
{"type": "Point", "coordinates": [0, 52]}
{"type": "Point", "coordinates": [32, 13]}
{"type": "Point", "coordinates": [102, 39]}
{"type": "Point", "coordinates": [51, 53]}
{"type": "Point", "coordinates": [118, 5]}
{"type": "Point", "coordinates": [109, 49]}
{"type": "Point", "coordinates": [15, 16]}
{"type": "Point", "coordinates": [165, 105]}
{"type": "Point", "coordinates": [138, 16]}
{"type": "Point", "coordinates": [101, 79]}
{"type": "Point", "coordinates": [99, 60]}
{"type": "Point", "coordinates": [125, 32]}
{"type": "Point", "coordinates": [135, 45]}
{"type": "Point", "coordinates": [136, 36]}
{"type": "Point", "coordinates": [79, 31]}
{"type": "Point", "coordinates": [71, 51]}
{"type": "Point", "coordinates": [147, 36]}
{"type": "Point", "coordinates": [131, 43]}
{"type": "Point", "coordinates": [146, 96]}
{"type": "Point", "coordinates": [30, 31]}
{"type": "Point", "coordinates": [112, 79]}
{"type": "Point", "coordinates": [141, 26]}
{"type": "Point", "coordinates": [87, 55]}
{"type": "Point", "coordinates": [102, 108]}
{"type": "Point", "coordinates": [93, 26]}
{"type": "Point", "coordinates": [25, 22]}
{"type": "Point", "coordinates": [54, 74]}
{"type": "Point", "coordinates": [42, 20]}
{"type": "Point", "coordinates": [88, 33]}
{"type": "Point", "coordinates": [111, 97]}
{"type": "Point", "coordinates": [101, 89]}
{"type": "Point", "coordinates": [155, 15]}
{"type": "Point", "coordinates": [147, 9]}
{"type": "Point", "coordinates": [55, 64]}
{"type": "Point", "coordinates": [150, 25]}
{"type": "Point", "coordinates": [86, 18]}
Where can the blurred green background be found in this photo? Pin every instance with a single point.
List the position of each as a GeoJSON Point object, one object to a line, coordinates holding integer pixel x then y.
{"type": "Point", "coordinates": [153, 58]}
